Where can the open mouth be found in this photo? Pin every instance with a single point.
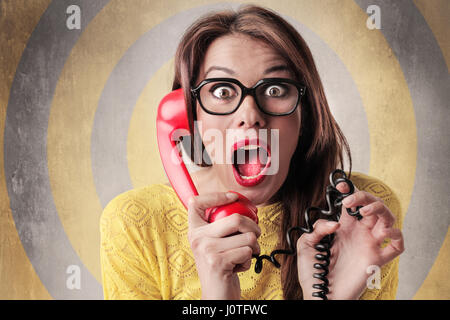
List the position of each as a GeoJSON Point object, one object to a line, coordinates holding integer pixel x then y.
{"type": "Point", "coordinates": [251, 158]}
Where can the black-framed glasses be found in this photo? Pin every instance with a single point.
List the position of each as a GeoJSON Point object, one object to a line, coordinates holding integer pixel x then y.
{"type": "Point", "coordinates": [273, 96]}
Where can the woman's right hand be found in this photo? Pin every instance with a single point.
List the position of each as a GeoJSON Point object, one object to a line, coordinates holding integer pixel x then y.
{"type": "Point", "coordinates": [219, 256]}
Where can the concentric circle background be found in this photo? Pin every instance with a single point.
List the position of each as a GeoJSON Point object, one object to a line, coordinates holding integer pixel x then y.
{"type": "Point", "coordinates": [78, 111]}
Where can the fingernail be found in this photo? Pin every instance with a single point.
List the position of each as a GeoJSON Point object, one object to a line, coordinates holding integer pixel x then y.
{"type": "Point", "coordinates": [331, 224]}
{"type": "Point", "coordinates": [232, 196]}
{"type": "Point", "coordinates": [364, 209]}
{"type": "Point", "coordinates": [348, 200]}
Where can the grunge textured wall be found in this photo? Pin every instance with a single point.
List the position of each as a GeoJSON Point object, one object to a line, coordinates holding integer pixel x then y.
{"type": "Point", "coordinates": [78, 106]}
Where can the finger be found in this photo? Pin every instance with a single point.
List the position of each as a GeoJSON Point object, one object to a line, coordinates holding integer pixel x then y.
{"type": "Point", "coordinates": [380, 234]}
{"type": "Point", "coordinates": [343, 187]}
{"type": "Point", "coordinates": [235, 223]}
{"type": "Point", "coordinates": [395, 247]}
{"type": "Point", "coordinates": [243, 267]}
{"type": "Point", "coordinates": [370, 214]}
{"type": "Point", "coordinates": [248, 239]}
{"type": "Point", "coordinates": [236, 256]}
{"type": "Point", "coordinates": [359, 198]}
{"type": "Point", "coordinates": [198, 204]}
{"type": "Point", "coordinates": [321, 229]}
{"type": "Point", "coordinates": [377, 215]}
{"type": "Point", "coordinates": [346, 219]}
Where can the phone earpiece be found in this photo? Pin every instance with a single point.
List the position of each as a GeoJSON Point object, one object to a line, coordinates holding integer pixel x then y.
{"type": "Point", "coordinates": [171, 124]}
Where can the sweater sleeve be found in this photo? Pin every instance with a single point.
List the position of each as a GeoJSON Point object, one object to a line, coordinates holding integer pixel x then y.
{"type": "Point", "coordinates": [384, 280]}
{"type": "Point", "coordinates": [128, 267]}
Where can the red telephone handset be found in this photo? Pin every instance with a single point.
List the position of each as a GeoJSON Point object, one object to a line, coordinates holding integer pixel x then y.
{"type": "Point", "coordinates": [171, 124]}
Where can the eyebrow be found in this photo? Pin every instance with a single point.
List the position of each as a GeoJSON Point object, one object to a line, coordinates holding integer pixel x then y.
{"type": "Point", "coordinates": [229, 71]}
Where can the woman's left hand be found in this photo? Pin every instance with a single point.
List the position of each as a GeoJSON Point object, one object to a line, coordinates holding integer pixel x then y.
{"type": "Point", "coordinates": [357, 245]}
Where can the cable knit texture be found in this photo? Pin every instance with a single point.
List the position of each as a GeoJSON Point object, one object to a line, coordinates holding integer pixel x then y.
{"type": "Point", "coordinates": [145, 253]}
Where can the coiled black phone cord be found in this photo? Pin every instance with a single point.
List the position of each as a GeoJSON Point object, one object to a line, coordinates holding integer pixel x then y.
{"type": "Point", "coordinates": [334, 200]}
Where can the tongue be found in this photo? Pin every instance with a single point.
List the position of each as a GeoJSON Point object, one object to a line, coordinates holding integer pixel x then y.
{"type": "Point", "coordinates": [249, 170]}
{"type": "Point", "coordinates": [252, 165]}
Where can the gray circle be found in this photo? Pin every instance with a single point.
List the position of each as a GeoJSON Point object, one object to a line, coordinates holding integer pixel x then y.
{"type": "Point", "coordinates": [25, 151]}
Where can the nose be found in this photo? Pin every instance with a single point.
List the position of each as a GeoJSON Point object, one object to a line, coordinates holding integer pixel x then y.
{"type": "Point", "coordinates": [248, 115]}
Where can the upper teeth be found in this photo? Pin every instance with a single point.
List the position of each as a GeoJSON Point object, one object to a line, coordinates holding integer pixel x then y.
{"type": "Point", "coordinates": [250, 147]}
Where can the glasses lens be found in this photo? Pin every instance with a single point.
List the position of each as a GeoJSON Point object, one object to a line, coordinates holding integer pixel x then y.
{"type": "Point", "coordinates": [220, 96]}
{"type": "Point", "coordinates": [277, 97]}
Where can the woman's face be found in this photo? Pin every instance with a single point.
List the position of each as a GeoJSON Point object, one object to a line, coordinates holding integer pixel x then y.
{"type": "Point", "coordinates": [247, 60]}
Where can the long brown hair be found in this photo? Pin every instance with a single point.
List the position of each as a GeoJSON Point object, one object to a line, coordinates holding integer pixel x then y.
{"type": "Point", "coordinates": [321, 143]}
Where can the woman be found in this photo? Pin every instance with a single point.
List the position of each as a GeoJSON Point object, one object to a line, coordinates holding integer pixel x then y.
{"type": "Point", "coordinates": [152, 249]}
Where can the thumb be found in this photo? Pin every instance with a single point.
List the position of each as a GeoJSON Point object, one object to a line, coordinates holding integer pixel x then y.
{"type": "Point", "coordinates": [343, 187]}
{"type": "Point", "coordinates": [198, 204]}
{"type": "Point", "coordinates": [321, 229]}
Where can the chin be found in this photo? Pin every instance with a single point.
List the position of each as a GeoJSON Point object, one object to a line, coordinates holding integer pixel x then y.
{"type": "Point", "coordinates": [259, 194]}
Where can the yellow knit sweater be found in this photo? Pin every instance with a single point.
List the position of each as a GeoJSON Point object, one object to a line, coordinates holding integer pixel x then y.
{"type": "Point", "coordinates": [145, 253]}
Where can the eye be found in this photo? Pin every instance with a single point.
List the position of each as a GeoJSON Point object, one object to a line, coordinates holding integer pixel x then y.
{"type": "Point", "coordinates": [223, 92]}
{"type": "Point", "coordinates": [275, 91]}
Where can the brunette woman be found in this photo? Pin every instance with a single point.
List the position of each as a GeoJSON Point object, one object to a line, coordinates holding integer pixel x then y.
{"type": "Point", "coordinates": [246, 71]}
